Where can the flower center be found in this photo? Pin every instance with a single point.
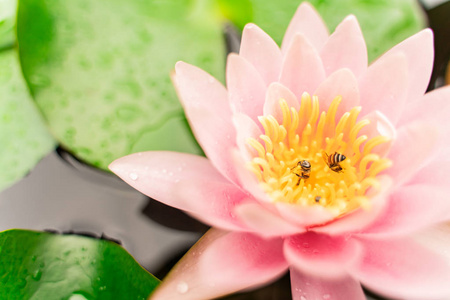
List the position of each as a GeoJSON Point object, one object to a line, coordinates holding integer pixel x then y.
{"type": "Point", "coordinates": [309, 160]}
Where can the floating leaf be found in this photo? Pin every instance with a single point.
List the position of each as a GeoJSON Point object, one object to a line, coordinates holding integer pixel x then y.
{"type": "Point", "coordinates": [40, 265]}
{"type": "Point", "coordinates": [99, 70]}
{"type": "Point", "coordinates": [383, 22]}
{"type": "Point", "coordinates": [24, 138]}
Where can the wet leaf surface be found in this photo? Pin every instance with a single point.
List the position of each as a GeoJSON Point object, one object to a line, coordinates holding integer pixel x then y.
{"type": "Point", "coordinates": [24, 138]}
{"type": "Point", "coordinates": [100, 71]}
{"type": "Point", "coordinates": [42, 265]}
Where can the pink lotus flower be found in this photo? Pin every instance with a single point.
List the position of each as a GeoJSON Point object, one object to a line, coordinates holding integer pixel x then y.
{"type": "Point", "coordinates": [275, 187]}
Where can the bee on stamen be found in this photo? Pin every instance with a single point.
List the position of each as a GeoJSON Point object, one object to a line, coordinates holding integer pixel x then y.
{"type": "Point", "coordinates": [305, 167]}
{"type": "Point", "coordinates": [333, 161]}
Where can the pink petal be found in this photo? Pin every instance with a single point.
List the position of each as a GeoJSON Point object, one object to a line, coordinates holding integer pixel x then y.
{"type": "Point", "coordinates": [311, 287]}
{"type": "Point", "coordinates": [247, 179]}
{"type": "Point", "coordinates": [304, 215]}
{"type": "Point", "coordinates": [246, 88]}
{"type": "Point", "coordinates": [403, 269]}
{"type": "Point", "coordinates": [434, 174]}
{"type": "Point", "coordinates": [265, 222]}
{"type": "Point", "coordinates": [384, 86]}
{"type": "Point", "coordinates": [341, 83]}
{"type": "Point", "coordinates": [379, 125]}
{"type": "Point", "coordinates": [307, 22]}
{"type": "Point", "coordinates": [302, 69]}
{"type": "Point", "coordinates": [205, 103]}
{"type": "Point", "coordinates": [345, 48]}
{"type": "Point", "coordinates": [275, 92]}
{"type": "Point", "coordinates": [246, 128]}
{"type": "Point", "coordinates": [361, 218]}
{"type": "Point", "coordinates": [212, 202]}
{"type": "Point", "coordinates": [434, 108]}
{"type": "Point", "coordinates": [412, 149]}
{"type": "Point", "coordinates": [184, 181]}
{"type": "Point", "coordinates": [321, 255]}
{"type": "Point", "coordinates": [412, 208]}
{"type": "Point", "coordinates": [222, 263]}
{"type": "Point", "coordinates": [262, 52]}
{"type": "Point", "coordinates": [419, 53]}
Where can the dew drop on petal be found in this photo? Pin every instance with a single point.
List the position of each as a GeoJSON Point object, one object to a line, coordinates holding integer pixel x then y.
{"type": "Point", "coordinates": [326, 296]}
{"type": "Point", "coordinates": [182, 287]}
{"type": "Point", "coordinates": [302, 298]}
{"type": "Point", "coordinates": [133, 176]}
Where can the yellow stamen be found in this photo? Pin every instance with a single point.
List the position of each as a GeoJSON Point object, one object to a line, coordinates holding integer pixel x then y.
{"type": "Point", "coordinates": [312, 135]}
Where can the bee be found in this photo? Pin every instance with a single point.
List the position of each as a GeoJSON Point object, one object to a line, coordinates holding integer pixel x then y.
{"type": "Point", "coordinates": [305, 167]}
{"type": "Point", "coordinates": [333, 161]}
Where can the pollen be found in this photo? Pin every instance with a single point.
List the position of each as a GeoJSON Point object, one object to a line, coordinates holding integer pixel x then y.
{"type": "Point", "coordinates": [343, 166]}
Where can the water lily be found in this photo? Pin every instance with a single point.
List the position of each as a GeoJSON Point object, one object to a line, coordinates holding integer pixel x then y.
{"type": "Point", "coordinates": [316, 163]}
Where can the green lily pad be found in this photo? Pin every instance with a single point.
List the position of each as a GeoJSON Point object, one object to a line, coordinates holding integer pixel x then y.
{"type": "Point", "coordinates": [383, 22]}
{"type": "Point", "coordinates": [100, 70]}
{"type": "Point", "coordinates": [41, 265]}
{"type": "Point", "coordinates": [23, 134]}
{"type": "Point", "coordinates": [7, 23]}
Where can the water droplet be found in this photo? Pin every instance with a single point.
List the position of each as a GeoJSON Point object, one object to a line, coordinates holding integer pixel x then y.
{"type": "Point", "coordinates": [127, 113]}
{"type": "Point", "coordinates": [21, 283]}
{"type": "Point", "coordinates": [326, 296]}
{"type": "Point", "coordinates": [305, 245]}
{"type": "Point", "coordinates": [133, 176]}
{"type": "Point", "coordinates": [182, 287]}
{"type": "Point", "coordinates": [77, 297]}
{"type": "Point", "coordinates": [37, 275]}
{"type": "Point", "coordinates": [40, 80]}
{"type": "Point", "coordinates": [302, 298]}
{"type": "Point", "coordinates": [102, 288]}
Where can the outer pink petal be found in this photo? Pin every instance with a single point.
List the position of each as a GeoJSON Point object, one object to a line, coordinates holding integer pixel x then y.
{"type": "Point", "coordinates": [265, 222]}
{"type": "Point", "coordinates": [307, 22]}
{"type": "Point", "coordinates": [304, 215]}
{"type": "Point", "coordinates": [419, 53]}
{"type": "Point", "coordinates": [434, 108]}
{"type": "Point", "coordinates": [412, 208]}
{"type": "Point", "coordinates": [275, 92]}
{"type": "Point", "coordinates": [384, 86]}
{"type": "Point", "coordinates": [212, 202]}
{"type": "Point", "coordinates": [246, 88]}
{"type": "Point", "coordinates": [341, 83]}
{"type": "Point", "coordinates": [403, 269]}
{"type": "Point", "coordinates": [246, 128]}
{"type": "Point", "coordinates": [434, 174]}
{"type": "Point", "coordinates": [302, 69]}
{"type": "Point", "coordinates": [414, 146]}
{"type": "Point", "coordinates": [345, 48]}
{"type": "Point", "coordinates": [361, 218]}
{"type": "Point", "coordinates": [379, 125]}
{"type": "Point", "coordinates": [184, 181]}
{"type": "Point", "coordinates": [205, 103]}
{"type": "Point", "coordinates": [310, 287]}
{"type": "Point", "coordinates": [262, 52]}
{"type": "Point", "coordinates": [321, 255]}
{"type": "Point", "coordinates": [222, 263]}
